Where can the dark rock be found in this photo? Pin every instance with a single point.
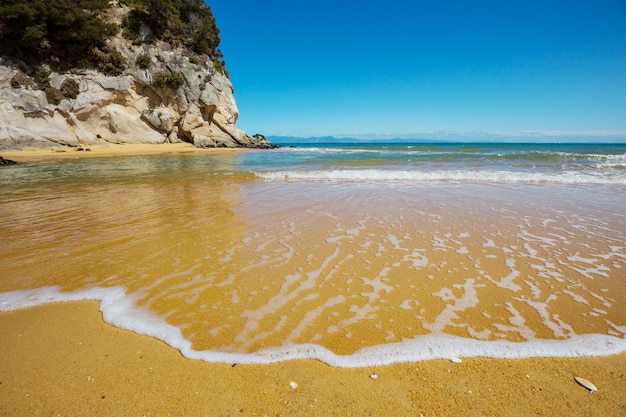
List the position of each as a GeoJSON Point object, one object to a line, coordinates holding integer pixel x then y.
{"type": "Point", "coordinates": [4, 162]}
{"type": "Point", "coordinates": [261, 142]}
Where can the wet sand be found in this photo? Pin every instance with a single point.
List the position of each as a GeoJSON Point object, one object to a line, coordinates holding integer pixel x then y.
{"type": "Point", "coordinates": [63, 359]}
{"type": "Point", "coordinates": [109, 149]}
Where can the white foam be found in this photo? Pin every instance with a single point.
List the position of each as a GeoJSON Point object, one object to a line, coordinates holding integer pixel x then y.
{"type": "Point", "coordinates": [312, 315]}
{"type": "Point", "coordinates": [576, 297]}
{"type": "Point", "coordinates": [396, 175]}
{"type": "Point", "coordinates": [120, 310]}
{"type": "Point", "coordinates": [446, 317]}
{"type": "Point", "coordinates": [418, 259]}
{"type": "Point", "coordinates": [518, 324]}
{"type": "Point", "coordinates": [377, 285]}
{"type": "Point", "coordinates": [589, 272]}
{"type": "Point", "coordinates": [553, 322]}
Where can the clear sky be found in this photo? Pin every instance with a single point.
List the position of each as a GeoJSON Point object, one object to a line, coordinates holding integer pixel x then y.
{"type": "Point", "coordinates": [402, 68]}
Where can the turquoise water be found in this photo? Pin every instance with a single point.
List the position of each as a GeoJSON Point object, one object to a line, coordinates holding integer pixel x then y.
{"type": "Point", "coordinates": [506, 163]}
{"type": "Point", "coordinates": [573, 163]}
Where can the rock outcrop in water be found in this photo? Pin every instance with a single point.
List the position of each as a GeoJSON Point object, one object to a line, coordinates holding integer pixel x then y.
{"type": "Point", "coordinates": [163, 94]}
{"type": "Point", "coordinates": [4, 162]}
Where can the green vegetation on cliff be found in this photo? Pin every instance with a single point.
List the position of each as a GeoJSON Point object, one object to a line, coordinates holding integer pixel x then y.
{"type": "Point", "coordinates": [56, 31]}
{"type": "Point", "coordinates": [183, 22]}
{"type": "Point", "coordinates": [67, 34]}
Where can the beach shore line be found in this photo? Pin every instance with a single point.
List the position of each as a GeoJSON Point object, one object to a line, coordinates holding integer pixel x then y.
{"type": "Point", "coordinates": [111, 149]}
{"type": "Point", "coordinates": [62, 358]}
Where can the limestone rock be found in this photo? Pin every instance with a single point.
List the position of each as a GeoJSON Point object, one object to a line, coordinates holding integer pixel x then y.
{"type": "Point", "coordinates": [128, 108]}
{"type": "Point", "coordinates": [28, 101]}
{"type": "Point", "coordinates": [161, 119]}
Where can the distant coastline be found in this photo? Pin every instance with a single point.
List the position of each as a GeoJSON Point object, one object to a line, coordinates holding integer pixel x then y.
{"type": "Point", "coordinates": [478, 138]}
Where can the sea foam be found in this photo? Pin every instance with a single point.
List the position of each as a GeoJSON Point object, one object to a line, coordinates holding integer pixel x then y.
{"type": "Point", "coordinates": [482, 176]}
{"type": "Point", "coordinates": [120, 310]}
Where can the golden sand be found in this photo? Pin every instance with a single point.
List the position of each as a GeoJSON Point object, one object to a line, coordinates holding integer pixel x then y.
{"type": "Point", "coordinates": [111, 149]}
{"type": "Point", "coordinates": [62, 359]}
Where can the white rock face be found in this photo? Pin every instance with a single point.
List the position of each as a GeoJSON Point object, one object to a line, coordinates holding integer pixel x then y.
{"type": "Point", "coordinates": [124, 109]}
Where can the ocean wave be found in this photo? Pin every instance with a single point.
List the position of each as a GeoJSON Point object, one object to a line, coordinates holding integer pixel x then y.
{"type": "Point", "coordinates": [120, 310]}
{"type": "Point", "coordinates": [466, 152]}
{"type": "Point", "coordinates": [485, 176]}
{"type": "Point", "coordinates": [611, 165]}
{"type": "Point", "coordinates": [586, 156]}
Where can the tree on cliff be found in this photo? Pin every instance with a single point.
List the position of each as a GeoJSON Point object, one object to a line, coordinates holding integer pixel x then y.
{"type": "Point", "coordinates": [66, 33]}
{"type": "Point", "coordinates": [62, 32]}
{"type": "Point", "coordinates": [185, 22]}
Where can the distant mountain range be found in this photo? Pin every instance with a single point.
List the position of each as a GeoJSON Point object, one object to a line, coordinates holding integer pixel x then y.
{"type": "Point", "coordinates": [523, 137]}
{"type": "Point", "coordinates": [280, 140]}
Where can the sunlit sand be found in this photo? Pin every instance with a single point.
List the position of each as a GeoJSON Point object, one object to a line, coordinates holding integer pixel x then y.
{"type": "Point", "coordinates": [360, 279]}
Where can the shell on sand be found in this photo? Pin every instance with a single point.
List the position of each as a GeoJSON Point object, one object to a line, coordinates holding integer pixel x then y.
{"type": "Point", "coordinates": [586, 383]}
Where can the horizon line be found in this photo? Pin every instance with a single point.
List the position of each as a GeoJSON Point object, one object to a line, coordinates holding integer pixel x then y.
{"type": "Point", "coordinates": [612, 137]}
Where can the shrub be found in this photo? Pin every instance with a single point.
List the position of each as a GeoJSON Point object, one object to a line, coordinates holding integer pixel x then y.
{"type": "Point", "coordinates": [143, 61]}
{"type": "Point", "coordinates": [85, 63]}
{"type": "Point", "coordinates": [110, 69]}
{"type": "Point", "coordinates": [220, 66]}
{"type": "Point", "coordinates": [114, 63]}
{"type": "Point", "coordinates": [65, 33]}
{"type": "Point", "coordinates": [184, 22]}
{"type": "Point", "coordinates": [172, 80]}
{"type": "Point", "coordinates": [70, 88]}
{"type": "Point", "coordinates": [193, 60]}
{"type": "Point", "coordinates": [57, 31]}
{"type": "Point", "coordinates": [52, 96]}
{"type": "Point", "coordinates": [42, 76]}
{"type": "Point", "coordinates": [117, 59]}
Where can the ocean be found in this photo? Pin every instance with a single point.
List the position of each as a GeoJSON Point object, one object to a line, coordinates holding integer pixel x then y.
{"type": "Point", "coordinates": [354, 254]}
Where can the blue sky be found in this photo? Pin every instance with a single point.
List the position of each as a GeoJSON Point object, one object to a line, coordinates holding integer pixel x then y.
{"type": "Point", "coordinates": [401, 68]}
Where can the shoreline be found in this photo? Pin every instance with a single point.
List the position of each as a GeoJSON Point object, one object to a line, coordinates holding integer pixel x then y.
{"type": "Point", "coordinates": [109, 150]}
{"type": "Point", "coordinates": [63, 358]}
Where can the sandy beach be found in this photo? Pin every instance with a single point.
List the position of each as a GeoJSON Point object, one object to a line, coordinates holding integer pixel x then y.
{"type": "Point", "coordinates": [63, 359]}
{"type": "Point", "coordinates": [109, 149]}
{"type": "Point", "coordinates": [487, 265]}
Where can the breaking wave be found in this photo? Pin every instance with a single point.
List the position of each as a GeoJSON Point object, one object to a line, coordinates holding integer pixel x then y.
{"type": "Point", "coordinates": [120, 310]}
{"type": "Point", "coordinates": [483, 176]}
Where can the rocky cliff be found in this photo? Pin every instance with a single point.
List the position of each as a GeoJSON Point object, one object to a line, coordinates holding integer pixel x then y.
{"type": "Point", "coordinates": [162, 94]}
